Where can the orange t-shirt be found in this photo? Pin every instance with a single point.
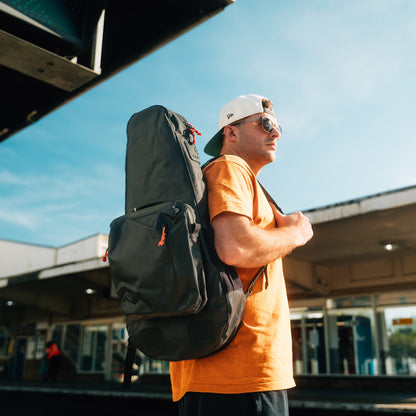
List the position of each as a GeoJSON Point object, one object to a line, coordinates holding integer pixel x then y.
{"type": "Point", "coordinates": [260, 356]}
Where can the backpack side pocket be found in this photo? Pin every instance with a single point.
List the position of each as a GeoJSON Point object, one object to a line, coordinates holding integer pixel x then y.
{"type": "Point", "coordinates": [156, 263]}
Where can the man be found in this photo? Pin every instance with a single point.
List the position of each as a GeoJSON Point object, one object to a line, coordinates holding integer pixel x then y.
{"type": "Point", "coordinates": [251, 375]}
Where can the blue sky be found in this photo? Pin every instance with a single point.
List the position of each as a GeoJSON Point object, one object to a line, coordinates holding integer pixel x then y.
{"type": "Point", "coordinates": [342, 77]}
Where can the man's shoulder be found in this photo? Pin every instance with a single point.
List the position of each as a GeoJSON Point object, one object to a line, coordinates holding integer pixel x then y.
{"type": "Point", "coordinates": [231, 161]}
{"type": "Point", "coordinates": [230, 172]}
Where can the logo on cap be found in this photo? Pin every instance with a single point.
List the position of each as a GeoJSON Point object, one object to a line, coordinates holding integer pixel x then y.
{"type": "Point", "coordinates": [230, 115]}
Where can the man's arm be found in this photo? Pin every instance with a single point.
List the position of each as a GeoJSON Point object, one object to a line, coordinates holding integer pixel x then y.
{"type": "Point", "coordinates": [241, 243]}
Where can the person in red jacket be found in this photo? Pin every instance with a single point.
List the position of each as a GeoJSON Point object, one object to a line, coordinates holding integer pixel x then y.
{"type": "Point", "coordinates": [53, 359]}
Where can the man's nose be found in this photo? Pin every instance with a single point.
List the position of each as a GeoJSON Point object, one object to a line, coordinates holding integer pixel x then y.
{"type": "Point", "coordinates": [275, 133]}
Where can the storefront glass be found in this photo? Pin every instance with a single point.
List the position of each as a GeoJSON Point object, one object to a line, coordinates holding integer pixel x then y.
{"type": "Point", "coordinates": [400, 325]}
{"type": "Point", "coordinates": [351, 341]}
{"type": "Point", "coordinates": [118, 353]}
{"type": "Point", "coordinates": [86, 346]}
{"type": "Point", "coordinates": [308, 339]}
{"type": "Point", "coordinates": [5, 341]}
{"type": "Point", "coordinates": [71, 342]}
{"type": "Point", "coordinates": [93, 348]}
{"type": "Point", "coordinates": [57, 334]}
{"type": "Point", "coordinates": [364, 335]}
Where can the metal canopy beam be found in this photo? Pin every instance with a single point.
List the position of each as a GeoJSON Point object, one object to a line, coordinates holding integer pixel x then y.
{"type": "Point", "coordinates": [41, 64]}
{"type": "Point", "coordinates": [36, 75]}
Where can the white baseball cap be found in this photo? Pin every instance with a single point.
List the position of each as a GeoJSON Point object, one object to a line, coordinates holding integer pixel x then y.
{"type": "Point", "coordinates": [241, 107]}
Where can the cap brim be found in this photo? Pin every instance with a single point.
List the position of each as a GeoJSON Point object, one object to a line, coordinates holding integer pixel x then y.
{"type": "Point", "coordinates": [213, 147]}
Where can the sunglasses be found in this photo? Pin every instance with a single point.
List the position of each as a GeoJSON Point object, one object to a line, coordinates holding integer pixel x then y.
{"type": "Point", "coordinates": [266, 124]}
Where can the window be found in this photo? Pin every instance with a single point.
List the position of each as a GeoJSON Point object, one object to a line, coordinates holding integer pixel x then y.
{"type": "Point", "coordinates": [400, 356]}
{"type": "Point", "coordinates": [85, 346]}
{"type": "Point", "coordinates": [118, 352]}
{"type": "Point", "coordinates": [5, 343]}
{"type": "Point", "coordinates": [93, 348]}
{"type": "Point", "coordinates": [308, 340]}
{"type": "Point", "coordinates": [36, 347]}
{"type": "Point", "coordinates": [57, 334]}
{"type": "Point", "coordinates": [71, 343]}
{"type": "Point", "coordinates": [351, 341]}
{"type": "Point", "coordinates": [363, 335]}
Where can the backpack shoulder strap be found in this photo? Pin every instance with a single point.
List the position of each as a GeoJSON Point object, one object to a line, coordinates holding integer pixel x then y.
{"type": "Point", "coordinates": [253, 282]}
{"type": "Point", "coordinates": [264, 268]}
{"type": "Point", "coordinates": [209, 161]}
{"type": "Point", "coordinates": [269, 198]}
{"type": "Point", "coordinates": [128, 366]}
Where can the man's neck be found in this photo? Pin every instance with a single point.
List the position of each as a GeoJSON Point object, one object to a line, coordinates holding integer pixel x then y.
{"type": "Point", "coordinates": [255, 167]}
{"type": "Point", "coordinates": [256, 170]}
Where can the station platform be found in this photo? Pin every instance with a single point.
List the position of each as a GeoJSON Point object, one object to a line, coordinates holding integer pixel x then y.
{"type": "Point", "coordinates": [363, 395]}
{"type": "Point", "coordinates": [151, 395]}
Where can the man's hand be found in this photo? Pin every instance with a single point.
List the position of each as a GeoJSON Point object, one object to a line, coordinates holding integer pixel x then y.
{"type": "Point", "coordinates": [300, 225]}
{"type": "Point", "coordinates": [241, 243]}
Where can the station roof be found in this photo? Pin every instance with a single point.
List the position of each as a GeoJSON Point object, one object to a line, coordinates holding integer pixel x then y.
{"type": "Point", "coordinates": [367, 226]}
{"type": "Point", "coordinates": [54, 50]}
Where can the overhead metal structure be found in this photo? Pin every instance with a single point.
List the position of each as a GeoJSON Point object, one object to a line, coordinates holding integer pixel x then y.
{"type": "Point", "coordinates": [54, 50]}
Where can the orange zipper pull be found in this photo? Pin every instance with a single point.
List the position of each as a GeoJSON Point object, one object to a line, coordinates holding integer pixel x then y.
{"type": "Point", "coordinates": [162, 238]}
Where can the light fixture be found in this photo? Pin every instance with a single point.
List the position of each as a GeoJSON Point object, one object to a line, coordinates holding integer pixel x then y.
{"type": "Point", "coordinates": [89, 291]}
{"type": "Point", "coordinates": [390, 246]}
{"type": "Point", "coordinates": [10, 303]}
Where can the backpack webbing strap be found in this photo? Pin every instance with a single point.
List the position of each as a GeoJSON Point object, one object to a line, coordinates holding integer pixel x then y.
{"type": "Point", "coordinates": [209, 161]}
{"type": "Point", "coordinates": [264, 268]}
{"type": "Point", "coordinates": [253, 282]}
{"type": "Point", "coordinates": [128, 366]}
{"type": "Point", "coordinates": [270, 199]}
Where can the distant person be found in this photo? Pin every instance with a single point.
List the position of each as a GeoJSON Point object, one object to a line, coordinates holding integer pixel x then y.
{"type": "Point", "coordinates": [53, 356]}
{"type": "Point", "coordinates": [251, 375]}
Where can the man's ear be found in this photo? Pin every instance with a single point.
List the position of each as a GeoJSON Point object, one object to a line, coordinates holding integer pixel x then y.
{"type": "Point", "coordinates": [230, 133]}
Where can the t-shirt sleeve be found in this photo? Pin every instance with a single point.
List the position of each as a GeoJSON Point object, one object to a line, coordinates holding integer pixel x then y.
{"type": "Point", "coordinates": [230, 189]}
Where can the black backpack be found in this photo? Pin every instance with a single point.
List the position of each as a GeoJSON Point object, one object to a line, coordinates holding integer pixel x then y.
{"type": "Point", "coordinates": [181, 302]}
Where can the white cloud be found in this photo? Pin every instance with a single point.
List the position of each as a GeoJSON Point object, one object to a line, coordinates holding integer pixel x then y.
{"type": "Point", "coordinates": [67, 203]}
{"type": "Point", "coordinates": [22, 219]}
{"type": "Point", "coordinates": [10, 178]}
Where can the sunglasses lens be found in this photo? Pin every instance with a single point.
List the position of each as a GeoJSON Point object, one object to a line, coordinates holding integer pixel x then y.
{"type": "Point", "coordinates": [268, 125]}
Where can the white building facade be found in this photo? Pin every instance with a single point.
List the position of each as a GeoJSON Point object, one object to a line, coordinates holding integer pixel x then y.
{"type": "Point", "coordinates": [352, 294]}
